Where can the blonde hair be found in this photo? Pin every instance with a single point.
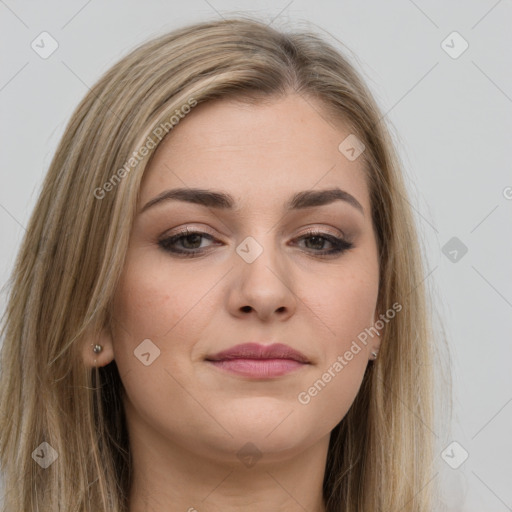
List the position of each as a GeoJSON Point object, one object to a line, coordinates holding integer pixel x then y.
{"type": "Point", "coordinates": [381, 455]}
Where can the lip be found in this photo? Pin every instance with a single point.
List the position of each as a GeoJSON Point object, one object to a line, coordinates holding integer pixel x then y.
{"type": "Point", "coordinates": [259, 361]}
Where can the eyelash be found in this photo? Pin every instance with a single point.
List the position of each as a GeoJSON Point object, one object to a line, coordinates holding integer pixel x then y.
{"type": "Point", "coordinates": [340, 245]}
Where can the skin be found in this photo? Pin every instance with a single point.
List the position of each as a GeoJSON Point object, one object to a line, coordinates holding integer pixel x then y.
{"type": "Point", "coordinates": [187, 419]}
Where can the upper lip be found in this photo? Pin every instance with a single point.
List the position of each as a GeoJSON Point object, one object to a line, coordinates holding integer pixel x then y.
{"type": "Point", "coordinates": [259, 351]}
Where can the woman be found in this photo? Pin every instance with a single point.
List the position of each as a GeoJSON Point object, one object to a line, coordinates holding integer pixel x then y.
{"type": "Point", "coordinates": [219, 301]}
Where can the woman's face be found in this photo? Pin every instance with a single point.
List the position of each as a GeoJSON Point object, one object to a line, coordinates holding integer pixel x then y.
{"type": "Point", "coordinates": [254, 274]}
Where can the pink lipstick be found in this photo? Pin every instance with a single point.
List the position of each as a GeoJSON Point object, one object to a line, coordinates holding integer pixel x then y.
{"type": "Point", "coordinates": [259, 361]}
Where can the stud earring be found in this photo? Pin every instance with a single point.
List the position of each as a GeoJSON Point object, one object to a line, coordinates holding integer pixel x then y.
{"type": "Point", "coordinates": [97, 349]}
{"type": "Point", "coordinates": [374, 354]}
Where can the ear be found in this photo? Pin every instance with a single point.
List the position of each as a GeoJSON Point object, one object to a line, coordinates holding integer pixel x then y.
{"type": "Point", "coordinates": [102, 358]}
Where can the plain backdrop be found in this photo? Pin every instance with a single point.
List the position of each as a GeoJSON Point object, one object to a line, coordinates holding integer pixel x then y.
{"type": "Point", "coordinates": [448, 100]}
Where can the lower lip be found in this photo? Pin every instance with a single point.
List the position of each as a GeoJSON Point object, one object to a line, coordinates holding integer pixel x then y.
{"type": "Point", "coordinates": [259, 368]}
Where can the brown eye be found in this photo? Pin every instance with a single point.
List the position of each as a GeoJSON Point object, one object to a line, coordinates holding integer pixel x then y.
{"type": "Point", "coordinates": [187, 243]}
{"type": "Point", "coordinates": [318, 239]}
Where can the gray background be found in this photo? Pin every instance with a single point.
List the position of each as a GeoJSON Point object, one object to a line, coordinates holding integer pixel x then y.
{"type": "Point", "coordinates": [452, 122]}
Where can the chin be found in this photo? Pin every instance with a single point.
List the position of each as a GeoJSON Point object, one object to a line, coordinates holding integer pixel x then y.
{"type": "Point", "coordinates": [273, 426]}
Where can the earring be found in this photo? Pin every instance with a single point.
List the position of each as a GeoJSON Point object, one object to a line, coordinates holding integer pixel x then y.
{"type": "Point", "coordinates": [97, 349]}
{"type": "Point", "coordinates": [374, 354]}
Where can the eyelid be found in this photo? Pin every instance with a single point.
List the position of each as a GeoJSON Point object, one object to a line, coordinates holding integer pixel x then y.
{"type": "Point", "coordinates": [191, 229]}
{"type": "Point", "coordinates": [324, 230]}
{"type": "Point", "coordinates": [188, 229]}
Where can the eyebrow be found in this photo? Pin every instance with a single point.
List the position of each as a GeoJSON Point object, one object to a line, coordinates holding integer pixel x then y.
{"type": "Point", "coordinates": [222, 200]}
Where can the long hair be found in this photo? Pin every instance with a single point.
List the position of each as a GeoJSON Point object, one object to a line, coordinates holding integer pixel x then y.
{"type": "Point", "coordinates": [381, 456]}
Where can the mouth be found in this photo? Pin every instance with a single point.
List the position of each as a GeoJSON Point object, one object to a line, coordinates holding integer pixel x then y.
{"type": "Point", "coordinates": [259, 361]}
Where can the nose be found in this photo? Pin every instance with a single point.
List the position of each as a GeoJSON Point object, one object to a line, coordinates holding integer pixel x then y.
{"type": "Point", "coordinates": [261, 283]}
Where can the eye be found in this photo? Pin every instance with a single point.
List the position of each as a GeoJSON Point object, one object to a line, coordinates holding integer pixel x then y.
{"type": "Point", "coordinates": [318, 238]}
{"type": "Point", "coordinates": [188, 243]}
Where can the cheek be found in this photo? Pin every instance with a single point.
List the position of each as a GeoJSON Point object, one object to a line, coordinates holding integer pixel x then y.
{"type": "Point", "coordinates": [344, 308]}
{"type": "Point", "coordinates": [343, 302]}
{"type": "Point", "coordinates": [154, 297]}
{"type": "Point", "coordinates": [156, 323]}
{"type": "Point", "coordinates": [164, 302]}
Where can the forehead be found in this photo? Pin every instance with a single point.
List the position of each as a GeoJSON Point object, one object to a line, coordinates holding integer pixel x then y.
{"type": "Point", "coordinates": [259, 152]}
